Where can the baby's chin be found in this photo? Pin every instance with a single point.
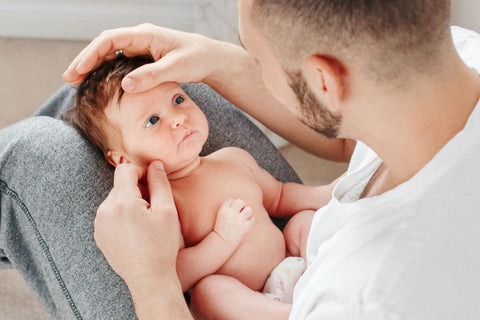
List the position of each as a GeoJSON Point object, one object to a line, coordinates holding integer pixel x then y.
{"type": "Point", "coordinates": [146, 164]}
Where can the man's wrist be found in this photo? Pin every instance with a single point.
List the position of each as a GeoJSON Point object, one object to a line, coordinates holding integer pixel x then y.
{"type": "Point", "coordinates": [231, 60]}
{"type": "Point", "coordinates": [141, 280]}
{"type": "Point", "coordinates": [158, 296]}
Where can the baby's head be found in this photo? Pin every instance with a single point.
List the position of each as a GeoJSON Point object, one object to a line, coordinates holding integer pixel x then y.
{"type": "Point", "coordinates": [162, 123]}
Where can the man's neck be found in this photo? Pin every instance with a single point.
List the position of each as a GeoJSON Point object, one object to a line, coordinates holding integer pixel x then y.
{"type": "Point", "coordinates": [411, 127]}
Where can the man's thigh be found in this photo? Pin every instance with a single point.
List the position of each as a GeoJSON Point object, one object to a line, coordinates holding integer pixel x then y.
{"type": "Point", "coordinates": [51, 182]}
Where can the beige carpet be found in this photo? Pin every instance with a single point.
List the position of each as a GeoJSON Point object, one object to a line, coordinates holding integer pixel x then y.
{"type": "Point", "coordinates": [30, 72]}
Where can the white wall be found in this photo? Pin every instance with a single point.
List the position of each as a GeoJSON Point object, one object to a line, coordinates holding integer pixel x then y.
{"type": "Point", "coordinates": [85, 19]}
{"type": "Point", "coordinates": [466, 13]}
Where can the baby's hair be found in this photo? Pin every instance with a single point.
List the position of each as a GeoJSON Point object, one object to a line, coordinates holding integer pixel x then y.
{"type": "Point", "coordinates": [94, 94]}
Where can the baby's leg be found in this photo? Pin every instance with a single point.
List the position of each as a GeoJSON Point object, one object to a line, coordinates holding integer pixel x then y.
{"type": "Point", "coordinates": [296, 233]}
{"type": "Point", "coordinates": [223, 297]}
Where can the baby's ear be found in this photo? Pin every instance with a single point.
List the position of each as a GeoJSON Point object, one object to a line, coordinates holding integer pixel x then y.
{"type": "Point", "coordinates": [115, 158]}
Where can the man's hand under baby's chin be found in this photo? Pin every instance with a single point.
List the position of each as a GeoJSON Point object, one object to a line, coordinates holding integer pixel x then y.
{"type": "Point", "coordinates": [142, 182]}
{"type": "Point", "coordinates": [142, 172]}
{"type": "Point", "coordinates": [141, 176]}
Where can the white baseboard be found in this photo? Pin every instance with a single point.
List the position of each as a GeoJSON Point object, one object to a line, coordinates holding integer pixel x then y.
{"type": "Point", "coordinates": [85, 19]}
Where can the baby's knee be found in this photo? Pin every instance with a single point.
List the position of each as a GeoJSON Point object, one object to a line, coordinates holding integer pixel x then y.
{"type": "Point", "coordinates": [204, 296]}
{"type": "Point", "coordinates": [298, 224]}
{"type": "Point", "coordinates": [296, 232]}
{"type": "Point", "coordinates": [205, 287]}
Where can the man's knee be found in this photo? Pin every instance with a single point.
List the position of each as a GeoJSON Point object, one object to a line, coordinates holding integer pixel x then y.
{"type": "Point", "coordinates": [36, 136]}
{"type": "Point", "coordinates": [44, 159]}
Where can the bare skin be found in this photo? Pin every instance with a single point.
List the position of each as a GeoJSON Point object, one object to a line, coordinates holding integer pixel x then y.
{"type": "Point", "coordinates": [240, 304]}
{"type": "Point", "coordinates": [233, 173]}
{"type": "Point", "coordinates": [234, 238]}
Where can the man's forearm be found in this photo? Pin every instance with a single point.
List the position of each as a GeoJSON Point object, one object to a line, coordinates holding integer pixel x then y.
{"type": "Point", "coordinates": [238, 78]}
{"type": "Point", "coordinates": [159, 297]}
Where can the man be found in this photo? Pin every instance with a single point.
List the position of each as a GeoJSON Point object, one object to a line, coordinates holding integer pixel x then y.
{"type": "Point", "coordinates": [398, 239]}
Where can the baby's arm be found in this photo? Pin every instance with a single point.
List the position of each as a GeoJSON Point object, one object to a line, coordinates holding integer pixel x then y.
{"type": "Point", "coordinates": [234, 221]}
{"type": "Point", "coordinates": [285, 199]}
{"type": "Point", "coordinates": [291, 198]}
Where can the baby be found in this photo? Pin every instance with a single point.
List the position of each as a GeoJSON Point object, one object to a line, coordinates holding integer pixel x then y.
{"type": "Point", "coordinates": [222, 234]}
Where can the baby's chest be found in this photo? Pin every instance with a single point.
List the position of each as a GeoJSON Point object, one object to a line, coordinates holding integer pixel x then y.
{"type": "Point", "coordinates": [198, 202]}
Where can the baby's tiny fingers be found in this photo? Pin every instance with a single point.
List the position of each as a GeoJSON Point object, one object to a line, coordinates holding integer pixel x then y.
{"type": "Point", "coordinates": [247, 212]}
{"type": "Point", "coordinates": [228, 203]}
{"type": "Point", "coordinates": [251, 222]}
{"type": "Point", "coordinates": [238, 204]}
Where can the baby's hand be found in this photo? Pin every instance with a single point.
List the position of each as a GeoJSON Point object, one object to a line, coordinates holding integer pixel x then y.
{"type": "Point", "coordinates": [234, 221]}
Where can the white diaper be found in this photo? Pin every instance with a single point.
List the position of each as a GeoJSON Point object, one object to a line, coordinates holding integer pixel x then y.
{"type": "Point", "coordinates": [284, 277]}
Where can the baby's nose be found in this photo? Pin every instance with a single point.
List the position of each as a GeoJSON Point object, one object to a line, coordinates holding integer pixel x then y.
{"type": "Point", "coordinates": [178, 120]}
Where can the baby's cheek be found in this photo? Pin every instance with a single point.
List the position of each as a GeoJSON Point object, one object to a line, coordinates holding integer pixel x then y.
{"type": "Point", "coordinates": [143, 158]}
{"type": "Point", "coordinates": [142, 164]}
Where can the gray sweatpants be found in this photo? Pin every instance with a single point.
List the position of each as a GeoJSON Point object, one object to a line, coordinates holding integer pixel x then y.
{"type": "Point", "coordinates": [52, 181]}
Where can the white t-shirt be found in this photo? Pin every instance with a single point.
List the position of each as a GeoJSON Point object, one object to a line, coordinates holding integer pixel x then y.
{"type": "Point", "coordinates": [411, 253]}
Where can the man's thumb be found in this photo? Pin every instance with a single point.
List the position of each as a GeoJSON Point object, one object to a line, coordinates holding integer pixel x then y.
{"type": "Point", "coordinates": [158, 186]}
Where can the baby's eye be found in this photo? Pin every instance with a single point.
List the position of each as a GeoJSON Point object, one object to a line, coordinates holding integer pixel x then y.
{"type": "Point", "coordinates": [153, 120]}
{"type": "Point", "coordinates": [178, 100]}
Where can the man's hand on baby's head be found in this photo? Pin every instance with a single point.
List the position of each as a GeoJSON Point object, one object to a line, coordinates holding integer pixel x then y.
{"type": "Point", "coordinates": [234, 221]}
{"type": "Point", "coordinates": [191, 51]}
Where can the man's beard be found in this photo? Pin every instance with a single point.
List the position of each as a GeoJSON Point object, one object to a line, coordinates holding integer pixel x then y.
{"type": "Point", "coordinates": [312, 113]}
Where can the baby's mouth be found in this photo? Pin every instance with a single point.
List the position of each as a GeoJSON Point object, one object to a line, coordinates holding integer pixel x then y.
{"type": "Point", "coordinates": [188, 134]}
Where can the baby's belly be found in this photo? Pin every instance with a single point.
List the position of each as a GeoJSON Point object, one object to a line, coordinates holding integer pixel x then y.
{"type": "Point", "coordinates": [260, 252]}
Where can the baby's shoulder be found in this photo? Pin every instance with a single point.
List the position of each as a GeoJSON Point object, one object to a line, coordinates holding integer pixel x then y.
{"type": "Point", "coordinates": [234, 155]}
{"type": "Point", "coordinates": [231, 152]}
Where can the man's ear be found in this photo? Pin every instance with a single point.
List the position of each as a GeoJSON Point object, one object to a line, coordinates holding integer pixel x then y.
{"type": "Point", "coordinates": [326, 77]}
{"type": "Point", "coordinates": [115, 158]}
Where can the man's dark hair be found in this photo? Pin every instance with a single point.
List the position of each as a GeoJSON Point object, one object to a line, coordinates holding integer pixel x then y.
{"type": "Point", "coordinates": [386, 37]}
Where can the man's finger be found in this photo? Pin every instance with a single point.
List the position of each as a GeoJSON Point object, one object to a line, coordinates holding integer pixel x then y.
{"type": "Point", "coordinates": [135, 40]}
{"type": "Point", "coordinates": [152, 74]}
{"type": "Point", "coordinates": [159, 187]}
{"type": "Point", "coordinates": [126, 178]}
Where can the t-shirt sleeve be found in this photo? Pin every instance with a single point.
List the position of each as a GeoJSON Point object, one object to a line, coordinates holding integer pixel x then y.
{"type": "Point", "coordinates": [467, 43]}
